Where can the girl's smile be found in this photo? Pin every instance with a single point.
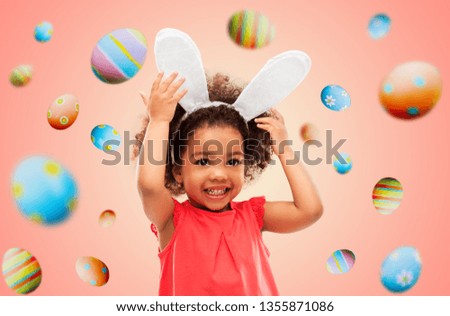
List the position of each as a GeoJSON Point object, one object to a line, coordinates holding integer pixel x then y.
{"type": "Point", "coordinates": [213, 167]}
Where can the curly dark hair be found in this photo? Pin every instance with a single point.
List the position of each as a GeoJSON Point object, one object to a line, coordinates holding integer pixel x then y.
{"type": "Point", "coordinates": [257, 142]}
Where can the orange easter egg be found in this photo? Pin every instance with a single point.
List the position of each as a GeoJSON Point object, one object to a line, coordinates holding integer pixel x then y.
{"type": "Point", "coordinates": [92, 271]}
{"type": "Point", "coordinates": [107, 218]}
{"type": "Point", "coordinates": [309, 132]}
{"type": "Point", "coordinates": [411, 90]}
{"type": "Point", "coordinates": [63, 112]}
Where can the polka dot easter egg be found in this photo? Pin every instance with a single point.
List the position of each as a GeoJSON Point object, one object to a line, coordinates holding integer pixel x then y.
{"type": "Point", "coordinates": [43, 32]}
{"type": "Point", "coordinates": [341, 261]}
{"type": "Point", "coordinates": [335, 98]}
{"type": "Point", "coordinates": [387, 195]}
{"type": "Point", "coordinates": [107, 218]}
{"type": "Point", "coordinates": [92, 271]}
{"type": "Point", "coordinates": [343, 167]}
{"type": "Point", "coordinates": [44, 191]}
{"type": "Point", "coordinates": [379, 26]}
{"type": "Point", "coordinates": [411, 90]}
{"type": "Point", "coordinates": [119, 55]}
{"type": "Point", "coordinates": [401, 269]}
{"type": "Point", "coordinates": [105, 137]}
{"type": "Point", "coordinates": [21, 75]}
{"type": "Point", "coordinates": [63, 112]}
{"type": "Point", "coordinates": [250, 29]}
{"type": "Point", "coordinates": [21, 271]}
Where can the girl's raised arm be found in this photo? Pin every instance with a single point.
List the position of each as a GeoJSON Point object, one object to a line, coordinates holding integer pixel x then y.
{"type": "Point", "coordinates": [161, 104]}
{"type": "Point", "coordinates": [306, 207]}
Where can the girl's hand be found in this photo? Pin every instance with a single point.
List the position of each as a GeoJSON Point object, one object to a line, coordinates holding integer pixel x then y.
{"type": "Point", "coordinates": [275, 126]}
{"type": "Point", "coordinates": [164, 97]}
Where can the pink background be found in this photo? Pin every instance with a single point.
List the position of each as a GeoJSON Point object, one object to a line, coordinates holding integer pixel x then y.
{"type": "Point", "coordinates": [334, 34]}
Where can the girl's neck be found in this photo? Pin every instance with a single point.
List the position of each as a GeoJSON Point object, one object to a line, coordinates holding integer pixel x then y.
{"type": "Point", "coordinates": [204, 208]}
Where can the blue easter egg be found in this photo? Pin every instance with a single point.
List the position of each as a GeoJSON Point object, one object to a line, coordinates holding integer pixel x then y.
{"type": "Point", "coordinates": [335, 97]}
{"type": "Point", "coordinates": [343, 167]}
{"type": "Point", "coordinates": [401, 269]}
{"type": "Point", "coordinates": [105, 137]}
{"type": "Point", "coordinates": [44, 191]}
{"type": "Point", "coordinates": [43, 32]}
{"type": "Point", "coordinates": [379, 26]}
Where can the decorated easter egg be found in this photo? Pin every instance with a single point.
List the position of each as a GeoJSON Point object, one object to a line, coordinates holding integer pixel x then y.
{"type": "Point", "coordinates": [308, 132]}
{"type": "Point", "coordinates": [343, 167]}
{"type": "Point", "coordinates": [401, 269]}
{"type": "Point", "coordinates": [43, 32]}
{"type": "Point", "coordinates": [119, 55]}
{"type": "Point", "coordinates": [44, 191]}
{"type": "Point", "coordinates": [92, 271]}
{"type": "Point", "coordinates": [335, 97]}
{"type": "Point", "coordinates": [63, 112]}
{"type": "Point", "coordinates": [105, 137]}
{"type": "Point", "coordinates": [411, 90]}
{"type": "Point", "coordinates": [341, 261]}
{"type": "Point", "coordinates": [107, 218]}
{"type": "Point", "coordinates": [387, 195]}
{"type": "Point", "coordinates": [21, 271]}
{"type": "Point", "coordinates": [250, 29]}
{"type": "Point", "coordinates": [21, 75]}
{"type": "Point", "coordinates": [379, 26]}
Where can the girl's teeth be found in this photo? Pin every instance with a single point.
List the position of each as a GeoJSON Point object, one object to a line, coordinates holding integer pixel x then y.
{"type": "Point", "coordinates": [216, 192]}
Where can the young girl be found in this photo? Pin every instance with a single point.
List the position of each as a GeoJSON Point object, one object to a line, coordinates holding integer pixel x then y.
{"type": "Point", "coordinates": [211, 244]}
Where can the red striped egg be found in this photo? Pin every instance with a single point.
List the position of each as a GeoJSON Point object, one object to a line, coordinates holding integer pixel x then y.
{"type": "Point", "coordinates": [21, 271]}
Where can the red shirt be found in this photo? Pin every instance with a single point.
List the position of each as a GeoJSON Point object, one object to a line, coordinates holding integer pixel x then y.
{"type": "Point", "coordinates": [217, 253]}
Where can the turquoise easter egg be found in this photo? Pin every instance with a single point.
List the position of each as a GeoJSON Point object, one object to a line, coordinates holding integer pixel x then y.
{"type": "Point", "coordinates": [401, 269]}
{"type": "Point", "coordinates": [335, 97]}
{"type": "Point", "coordinates": [344, 166]}
{"type": "Point", "coordinates": [379, 26]}
{"type": "Point", "coordinates": [105, 137]}
{"type": "Point", "coordinates": [44, 191]}
{"type": "Point", "coordinates": [341, 261]}
{"type": "Point", "coordinates": [43, 32]}
{"type": "Point", "coordinates": [119, 55]}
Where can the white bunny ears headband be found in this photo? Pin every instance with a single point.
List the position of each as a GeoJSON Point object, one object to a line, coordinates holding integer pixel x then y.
{"type": "Point", "coordinates": [176, 51]}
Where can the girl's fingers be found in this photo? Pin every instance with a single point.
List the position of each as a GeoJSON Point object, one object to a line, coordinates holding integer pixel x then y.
{"type": "Point", "coordinates": [266, 127]}
{"type": "Point", "coordinates": [175, 86]}
{"type": "Point", "coordinates": [180, 94]}
{"type": "Point", "coordinates": [157, 81]}
{"type": "Point", "coordinates": [266, 120]}
{"type": "Point", "coordinates": [166, 83]}
{"type": "Point", "coordinates": [278, 115]}
{"type": "Point", "coordinates": [144, 98]}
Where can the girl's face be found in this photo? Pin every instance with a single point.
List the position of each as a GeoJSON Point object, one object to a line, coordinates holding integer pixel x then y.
{"type": "Point", "coordinates": [212, 170]}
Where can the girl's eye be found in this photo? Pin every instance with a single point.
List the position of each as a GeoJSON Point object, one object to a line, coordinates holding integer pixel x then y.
{"type": "Point", "coordinates": [202, 162]}
{"type": "Point", "coordinates": [234, 162]}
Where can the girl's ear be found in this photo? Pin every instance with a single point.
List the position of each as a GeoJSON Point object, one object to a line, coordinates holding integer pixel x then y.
{"type": "Point", "coordinates": [176, 173]}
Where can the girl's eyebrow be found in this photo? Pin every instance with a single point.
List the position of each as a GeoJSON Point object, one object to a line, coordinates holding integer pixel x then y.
{"type": "Point", "coordinates": [208, 153]}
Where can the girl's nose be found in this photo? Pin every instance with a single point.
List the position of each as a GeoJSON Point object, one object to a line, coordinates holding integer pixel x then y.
{"type": "Point", "coordinates": [218, 172]}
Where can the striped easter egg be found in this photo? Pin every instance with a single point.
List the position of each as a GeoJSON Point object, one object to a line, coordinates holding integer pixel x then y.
{"type": "Point", "coordinates": [250, 29]}
{"type": "Point", "coordinates": [21, 271]}
{"type": "Point", "coordinates": [21, 75]}
{"type": "Point", "coordinates": [387, 195]}
{"type": "Point", "coordinates": [341, 261]}
{"type": "Point", "coordinates": [119, 55]}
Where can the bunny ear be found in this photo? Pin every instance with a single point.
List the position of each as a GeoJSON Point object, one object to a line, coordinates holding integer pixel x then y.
{"type": "Point", "coordinates": [275, 81]}
{"type": "Point", "coordinates": [176, 51]}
